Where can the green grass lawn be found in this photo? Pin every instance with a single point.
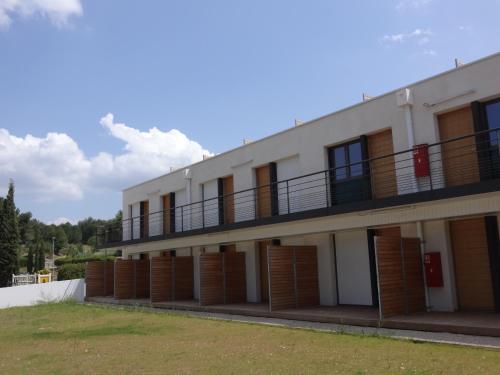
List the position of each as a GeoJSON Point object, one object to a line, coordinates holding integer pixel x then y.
{"type": "Point", "coordinates": [87, 339]}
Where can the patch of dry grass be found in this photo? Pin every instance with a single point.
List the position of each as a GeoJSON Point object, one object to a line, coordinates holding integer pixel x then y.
{"type": "Point", "coordinates": [88, 339]}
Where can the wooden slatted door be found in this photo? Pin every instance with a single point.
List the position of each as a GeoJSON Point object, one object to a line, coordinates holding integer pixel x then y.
{"type": "Point", "coordinates": [281, 277]}
{"type": "Point", "coordinates": [228, 192]}
{"type": "Point", "coordinates": [184, 278]}
{"type": "Point", "coordinates": [293, 277]}
{"type": "Point", "coordinates": [124, 279]}
{"type": "Point", "coordinates": [109, 278]}
{"type": "Point", "coordinates": [459, 158]}
{"type": "Point", "coordinates": [388, 232]}
{"type": "Point", "coordinates": [161, 279]}
{"type": "Point", "coordinates": [211, 279]}
{"type": "Point", "coordinates": [383, 171]}
{"type": "Point", "coordinates": [235, 282]}
{"type": "Point", "coordinates": [94, 279]}
{"type": "Point", "coordinates": [263, 181]}
{"type": "Point", "coordinates": [414, 275]}
{"type": "Point", "coordinates": [400, 275]}
{"type": "Point", "coordinates": [472, 265]}
{"type": "Point", "coordinates": [142, 278]}
{"type": "Point", "coordinates": [306, 271]}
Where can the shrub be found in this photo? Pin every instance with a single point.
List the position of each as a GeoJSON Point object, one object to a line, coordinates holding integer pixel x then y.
{"type": "Point", "coordinates": [70, 260]}
{"type": "Point", "coordinates": [71, 271]}
{"type": "Point", "coordinates": [45, 271]}
{"type": "Point", "coordinates": [23, 261]}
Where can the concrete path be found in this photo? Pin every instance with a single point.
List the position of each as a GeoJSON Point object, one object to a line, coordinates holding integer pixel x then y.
{"type": "Point", "coordinates": [434, 337]}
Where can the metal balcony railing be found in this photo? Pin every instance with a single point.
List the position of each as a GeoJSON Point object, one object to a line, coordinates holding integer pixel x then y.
{"type": "Point", "coordinates": [455, 162]}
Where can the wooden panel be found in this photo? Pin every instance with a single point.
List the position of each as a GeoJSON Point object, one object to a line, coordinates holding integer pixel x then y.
{"type": "Point", "coordinates": [390, 276]}
{"type": "Point", "coordinates": [231, 248]}
{"type": "Point", "coordinates": [124, 278]}
{"type": "Point", "coordinates": [235, 277]}
{"type": "Point", "coordinates": [166, 213]}
{"type": "Point", "coordinates": [109, 278]}
{"type": "Point", "coordinates": [228, 189]}
{"type": "Point", "coordinates": [184, 278]}
{"type": "Point", "coordinates": [94, 279]}
{"type": "Point", "coordinates": [144, 220]}
{"type": "Point", "coordinates": [263, 181]}
{"type": "Point", "coordinates": [264, 280]}
{"type": "Point", "coordinates": [472, 264]}
{"type": "Point", "coordinates": [459, 158]}
{"type": "Point", "coordinates": [211, 279]}
{"type": "Point", "coordinates": [161, 279]}
{"type": "Point", "coordinates": [415, 291]}
{"type": "Point", "coordinates": [383, 173]}
{"type": "Point", "coordinates": [142, 278]}
{"type": "Point", "coordinates": [281, 277]}
{"type": "Point", "coordinates": [388, 232]}
{"type": "Point", "coordinates": [306, 270]}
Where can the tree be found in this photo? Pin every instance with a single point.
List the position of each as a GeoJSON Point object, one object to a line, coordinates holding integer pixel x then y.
{"type": "Point", "coordinates": [9, 238]}
{"type": "Point", "coordinates": [61, 240]}
{"type": "Point", "coordinates": [31, 261]}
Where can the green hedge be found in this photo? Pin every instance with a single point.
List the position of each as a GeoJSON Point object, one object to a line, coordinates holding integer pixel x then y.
{"type": "Point", "coordinates": [70, 260]}
{"type": "Point", "coordinates": [71, 271]}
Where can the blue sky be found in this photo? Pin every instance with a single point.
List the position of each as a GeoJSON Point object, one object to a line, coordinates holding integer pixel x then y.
{"type": "Point", "coordinates": [91, 90]}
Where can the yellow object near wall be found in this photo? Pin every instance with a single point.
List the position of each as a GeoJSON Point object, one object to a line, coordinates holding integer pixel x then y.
{"type": "Point", "coordinates": [42, 279]}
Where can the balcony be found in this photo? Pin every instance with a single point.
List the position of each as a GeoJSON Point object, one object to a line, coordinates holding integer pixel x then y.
{"type": "Point", "coordinates": [452, 168]}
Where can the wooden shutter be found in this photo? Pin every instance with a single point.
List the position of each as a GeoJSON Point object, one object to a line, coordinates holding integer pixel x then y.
{"type": "Point", "coordinates": [166, 214]}
{"type": "Point", "coordinates": [161, 279]}
{"type": "Point", "coordinates": [263, 180]}
{"type": "Point", "coordinates": [459, 158]}
{"type": "Point", "coordinates": [211, 279]}
{"type": "Point", "coordinates": [228, 189]}
{"type": "Point", "coordinates": [382, 171]}
{"type": "Point", "coordinates": [144, 220]}
{"type": "Point", "coordinates": [472, 264]}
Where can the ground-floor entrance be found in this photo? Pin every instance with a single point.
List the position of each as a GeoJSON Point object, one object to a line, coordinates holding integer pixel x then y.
{"type": "Point", "coordinates": [476, 262]}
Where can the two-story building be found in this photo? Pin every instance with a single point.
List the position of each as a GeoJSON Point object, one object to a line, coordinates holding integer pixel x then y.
{"type": "Point", "coordinates": [391, 204]}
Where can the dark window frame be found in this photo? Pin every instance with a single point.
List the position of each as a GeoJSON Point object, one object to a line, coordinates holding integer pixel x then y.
{"type": "Point", "coordinates": [348, 165]}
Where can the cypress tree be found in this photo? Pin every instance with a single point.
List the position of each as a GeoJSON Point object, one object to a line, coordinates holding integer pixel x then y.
{"type": "Point", "coordinates": [9, 238]}
{"type": "Point", "coordinates": [30, 261]}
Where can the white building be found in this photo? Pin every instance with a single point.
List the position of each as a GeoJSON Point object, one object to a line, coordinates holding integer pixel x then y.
{"type": "Point", "coordinates": [360, 194]}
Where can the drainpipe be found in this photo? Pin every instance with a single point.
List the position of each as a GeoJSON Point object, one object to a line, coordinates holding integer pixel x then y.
{"type": "Point", "coordinates": [405, 101]}
{"type": "Point", "coordinates": [187, 176]}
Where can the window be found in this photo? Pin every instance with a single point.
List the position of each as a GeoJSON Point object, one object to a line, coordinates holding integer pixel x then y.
{"type": "Point", "coordinates": [346, 160]}
{"type": "Point", "coordinates": [349, 178]}
{"type": "Point", "coordinates": [493, 121]}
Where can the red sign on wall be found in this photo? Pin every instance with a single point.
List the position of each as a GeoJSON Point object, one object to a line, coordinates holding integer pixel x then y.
{"type": "Point", "coordinates": [433, 270]}
{"type": "Point", "coordinates": [421, 160]}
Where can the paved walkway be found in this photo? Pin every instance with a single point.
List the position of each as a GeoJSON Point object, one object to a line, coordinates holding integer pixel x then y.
{"type": "Point", "coordinates": [435, 337]}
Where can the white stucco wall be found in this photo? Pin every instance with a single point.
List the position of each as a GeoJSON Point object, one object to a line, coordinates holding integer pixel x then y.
{"type": "Point", "coordinates": [436, 236]}
{"type": "Point", "coordinates": [326, 278]}
{"type": "Point", "coordinates": [211, 207]}
{"type": "Point", "coordinates": [27, 295]}
{"type": "Point", "coordinates": [353, 268]}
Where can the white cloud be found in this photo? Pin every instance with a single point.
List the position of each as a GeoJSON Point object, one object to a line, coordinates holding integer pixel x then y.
{"type": "Point", "coordinates": [420, 35]}
{"type": "Point", "coordinates": [55, 168]}
{"type": "Point", "coordinates": [57, 11]}
{"type": "Point", "coordinates": [45, 168]}
{"type": "Point", "coordinates": [155, 149]}
{"type": "Point", "coordinates": [430, 52]}
{"type": "Point", "coordinates": [411, 4]}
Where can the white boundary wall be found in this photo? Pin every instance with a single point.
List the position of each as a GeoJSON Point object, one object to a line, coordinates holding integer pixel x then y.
{"type": "Point", "coordinates": [27, 295]}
